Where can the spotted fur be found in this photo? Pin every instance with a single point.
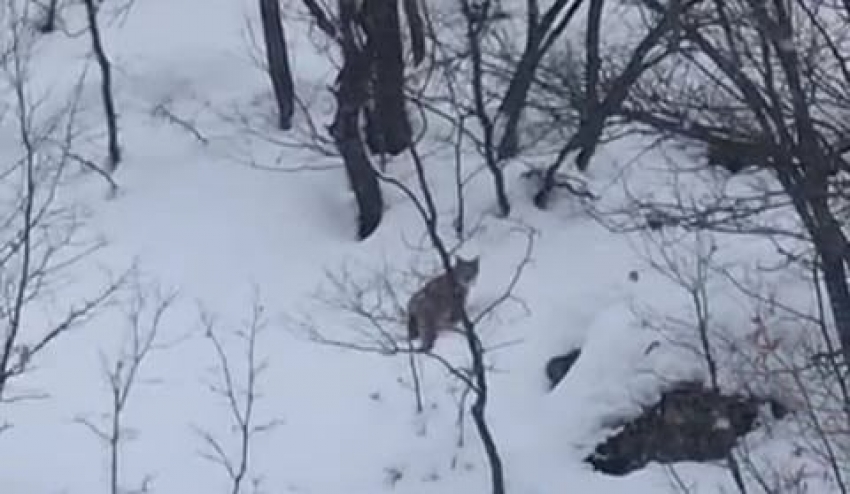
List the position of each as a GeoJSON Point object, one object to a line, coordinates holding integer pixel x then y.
{"type": "Point", "coordinates": [433, 308]}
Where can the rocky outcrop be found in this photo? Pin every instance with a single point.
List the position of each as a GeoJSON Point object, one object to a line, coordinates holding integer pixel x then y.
{"type": "Point", "coordinates": [689, 423]}
{"type": "Point", "coordinates": [558, 366]}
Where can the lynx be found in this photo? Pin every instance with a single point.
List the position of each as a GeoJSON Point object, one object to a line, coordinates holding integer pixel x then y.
{"type": "Point", "coordinates": [433, 308]}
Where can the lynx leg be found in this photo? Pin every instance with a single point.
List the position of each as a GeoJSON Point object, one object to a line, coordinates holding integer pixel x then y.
{"type": "Point", "coordinates": [458, 305]}
{"type": "Point", "coordinates": [457, 311]}
{"type": "Point", "coordinates": [412, 327]}
{"type": "Point", "coordinates": [429, 336]}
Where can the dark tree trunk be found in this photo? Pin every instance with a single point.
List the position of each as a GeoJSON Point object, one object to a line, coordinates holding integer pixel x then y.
{"type": "Point", "coordinates": [540, 37]}
{"type": "Point", "coordinates": [323, 21]}
{"type": "Point", "coordinates": [815, 167]}
{"type": "Point", "coordinates": [831, 246]}
{"type": "Point", "coordinates": [278, 62]}
{"type": "Point", "coordinates": [417, 30]}
{"type": "Point", "coordinates": [835, 279]}
{"type": "Point", "coordinates": [474, 28]}
{"type": "Point", "coordinates": [49, 24]}
{"type": "Point", "coordinates": [479, 417]}
{"type": "Point", "coordinates": [389, 127]}
{"type": "Point", "coordinates": [374, 136]}
{"type": "Point", "coordinates": [351, 96]}
{"type": "Point", "coordinates": [586, 138]}
{"type": "Point", "coordinates": [105, 87]}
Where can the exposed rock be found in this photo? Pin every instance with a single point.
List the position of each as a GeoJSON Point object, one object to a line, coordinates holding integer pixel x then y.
{"type": "Point", "coordinates": [689, 423]}
{"type": "Point", "coordinates": [558, 366]}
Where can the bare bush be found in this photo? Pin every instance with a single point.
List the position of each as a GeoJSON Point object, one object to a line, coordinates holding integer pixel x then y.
{"type": "Point", "coordinates": [762, 87]}
{"type": "Point", "coordinates": [237, 380]}
{"type": "Point", "coordinates": [42, 239]}
{"type": "Point", "coordinates": [781, 352]}
{"type": "Point", "coordinates": [144, 313]}
{"type": "Point", "coordinates": [376, 311]}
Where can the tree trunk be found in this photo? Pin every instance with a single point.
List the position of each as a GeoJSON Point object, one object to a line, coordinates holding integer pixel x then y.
{"type": "Point", "coordinates": [105, 87]}
{"type": "Point", "coordinates": [374, 135]}
{"type": "Point", "coordinates": [473, 37]}
{"type": "Point", "coordinates": [417, 30]}
{"type": "Point", "coordinates": [278, 62]}
{"type": "Point", "coordinates": [351, 96]}
{"type": "Point", "coordinates": [49, 24]}
{"type": "Point", "coordinates": [809, 195]}
{"type": "Point", "coordinates": [540, 37]}
{"type": "Point", "coordinates": [479, 417]}
{"type": "Point", "coordinates": [831, 246]}
{"type": "Point", "coordinates": [391, 131]}
{"type": "Point", "coordinates": [586, 138]}
{"type": "Point", "coordinates": [835, 279]}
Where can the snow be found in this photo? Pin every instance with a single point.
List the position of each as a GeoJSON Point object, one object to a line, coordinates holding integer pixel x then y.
{"type": "Point", "coordinates": [197, 221]}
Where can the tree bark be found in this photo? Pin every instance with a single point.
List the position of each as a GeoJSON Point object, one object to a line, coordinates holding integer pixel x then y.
{"type": "Point", "coordinates": [479, 416]}
{"type": "Point", "coordinates": [586, 138]}
{"type": "Point", "coordinates": [809, 194]}
{"type": "Point", "coordinates": [49, 24]}
{"type": "Point", "coordinates": [105, 87]}
{"type": "Point", "coordinates": [417, 30]}
{"type": "Point", "coordinates": [278, 62]}
{"type": "Point", "coordinates": [351, 96]}
{"type": "Point", "coordinates": [390, 132]}
{"type": "Point", "coordinates": [474, 29]}
{"type": "Point", "coordinates": [542, 34]}
{"type": "Point", "coordinates": [835, 279]}
{"type": "Point", "coordinates": [374, 134]}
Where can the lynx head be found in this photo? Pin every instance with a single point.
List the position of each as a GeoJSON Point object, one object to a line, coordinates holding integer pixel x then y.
{"type": "Point", "coordinates": [466, 270]}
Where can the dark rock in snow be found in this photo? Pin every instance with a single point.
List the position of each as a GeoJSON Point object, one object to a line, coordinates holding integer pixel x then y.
{"type": "Point", "coordinates": [557, 367]}
{"type": "Point", "coordinates": [689, 423]}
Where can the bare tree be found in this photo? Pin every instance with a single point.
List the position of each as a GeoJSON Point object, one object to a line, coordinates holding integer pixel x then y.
{"type": "Point", "coordinates": [387, 125]}
{"type": "Point", "coordinates": [477, 17]}
{"type": "Point", "coordinates": [542, 31]}
{"type": "Point", "coordinates": [40, 238]}
{"type": "Point", "coordinates": [106, 90]}
{"type": "Point", "coordinates": [51, 11]}
{"type": "Point", "coordinates": [692, 273]}
{"type": "Point", "coordinates": [428, 213]}
{"type": "Point", "coordinates": [352, 93]}
{"type": "Point", "coordinates": [486, 77]}
{"type": "Point", "coordinates": [278, 61]}
{"type": "Point", "coordinates": [369, 305]}
{"type": "Point", "coordinates": [370, 85]}
{"type": "Point", "coordinates": [240, 390]}
{"type": "Point", "coordinates": [772, 353]}
{"type": "Point", "coordinates": [767, 89]}
{"type": "Point", "coordinates": [596, 108]}
{"type": "Point", "coordinates": [144, 313]}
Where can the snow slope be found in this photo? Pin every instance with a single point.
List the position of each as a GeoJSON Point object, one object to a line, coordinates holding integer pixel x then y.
{"type": "Point", "coordinates": [198, 221]}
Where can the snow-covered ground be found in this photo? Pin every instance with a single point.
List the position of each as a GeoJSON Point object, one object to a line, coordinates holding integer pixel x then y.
{"type": "Point", "coordinates": [221, 233]}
